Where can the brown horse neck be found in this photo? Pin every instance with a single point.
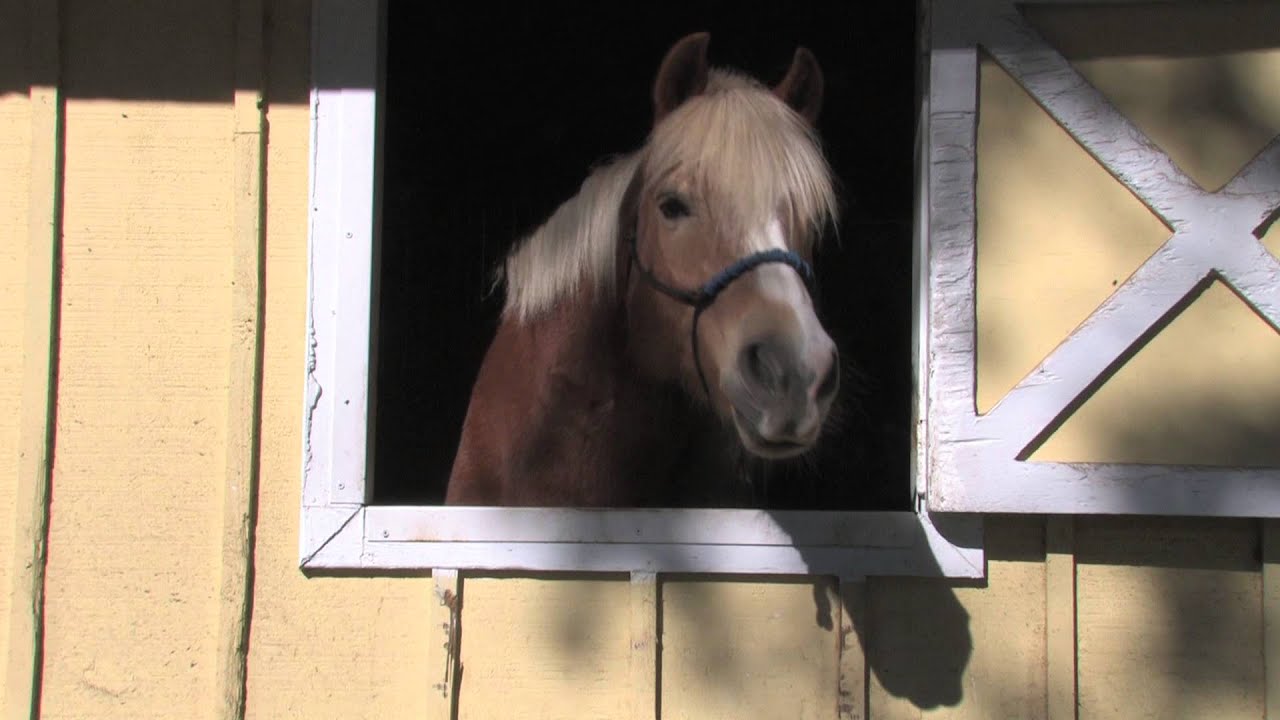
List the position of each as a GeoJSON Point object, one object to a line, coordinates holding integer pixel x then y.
{"type": "Point", "coordinates": [666, 447]}
{"type": "Point", "coordinates": [561, 416]}
{"type": "Point", "coordinates": [639, 436]}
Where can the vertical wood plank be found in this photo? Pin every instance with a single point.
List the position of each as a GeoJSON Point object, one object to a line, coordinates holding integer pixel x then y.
{"type": "Point", "coordinates": [1060, 618]}
{"type": "Point", "coordinates": [644, 646]}
{"type": "Point", "coordinates": [443, 644]}
{"type": "Point", "coordinates": [546, 646]}
{"type": "Point", "coordinates": [39, 372]}
{"type": "Point", "coordinates": [1168, 615]}
{"type": "Point", "coordinates": [851, 703]}
{"type": "Point", "coordinates": [758, 648]}
{"type": "Point", "coordinates": [1271, 615]}
{"type": "Point", "coordinates": [244, 400]}
{"type": "Point", "coordinates": [134, 543]}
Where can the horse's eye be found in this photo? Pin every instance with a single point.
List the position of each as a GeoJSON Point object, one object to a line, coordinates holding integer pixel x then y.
{"type": "Point", "coordinates": [673, 208]}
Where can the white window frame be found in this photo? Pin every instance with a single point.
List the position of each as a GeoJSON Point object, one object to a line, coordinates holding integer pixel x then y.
{"type": "Point", "coordinates": [973, 459]}
{"type": "Point", "coordinates": [342, 532]}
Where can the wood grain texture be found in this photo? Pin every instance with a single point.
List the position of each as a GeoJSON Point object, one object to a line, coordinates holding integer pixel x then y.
{"type": "Point", "coordinates": [964, 652]}
{"type": "Point", "coordinates": [35, 323]}
{"type": "Point", "coordinates": [749, 650]}
{"type": "Point", "coordinates": [319, 648]}
{"type": "Point", "coordinates": [1168, 618]}
{"type": "Point", "coordinates": [545, 648]}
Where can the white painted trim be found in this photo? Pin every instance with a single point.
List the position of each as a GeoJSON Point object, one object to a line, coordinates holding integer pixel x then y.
{"type": "Point", "coordinates": [702, 541]}
{"type": "Point", "coordinates": [647, 526]}
{"type": "Point", "coordinates": [341, 533]}
{"type": "Point", "coordinates": [973, 461]}
{"type": "Point", "coordinates": [339, 292]}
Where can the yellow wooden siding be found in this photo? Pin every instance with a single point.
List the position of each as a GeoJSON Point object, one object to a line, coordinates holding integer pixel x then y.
{"type": "Point", "coordinates": [143, 358]}
{"type": "Point", "coordinates": [545, 648]}
{"type": "Point", "coordinates": [760, 650]}
{"type": "Point", "coordinates": [1169, 621]}
{"type": "Point", "coordinates": [15, 164]}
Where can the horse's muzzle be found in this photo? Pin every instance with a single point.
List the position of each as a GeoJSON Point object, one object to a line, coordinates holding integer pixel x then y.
{"type": "Point", "coordinates": [781, 391]}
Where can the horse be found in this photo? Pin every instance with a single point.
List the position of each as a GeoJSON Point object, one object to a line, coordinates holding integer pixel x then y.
{"type": "Point", "coordinates": [659, 332]}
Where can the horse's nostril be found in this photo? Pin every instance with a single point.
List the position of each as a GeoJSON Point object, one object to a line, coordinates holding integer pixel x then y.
{"type": "Point", "coordinates": [759, 364]}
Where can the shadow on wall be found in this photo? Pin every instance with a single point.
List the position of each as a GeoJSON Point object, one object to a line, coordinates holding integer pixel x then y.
{"type": "Point", "coordinates": [1204, 391]}
{"type": "Point", "coordinates": [922, 652]}
{"type": "Point", "coordinates": [740, 646]}
{"type": "Point", "coordinates": [1187, 638]}
{"type": "Point", "coordinates": [914, 631]}
{"type": "Point", "coordinates": [120, 60]}
{"type": "Point", "coordinates": [1199, 82]}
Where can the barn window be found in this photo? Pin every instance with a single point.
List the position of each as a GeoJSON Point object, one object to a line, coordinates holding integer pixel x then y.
{"type": "Point", "coordinates": [408, 218]}
{"type": "Point", "coordinates": [490, 122]}
{"type": "Point", "coordinates": [1091, 325]}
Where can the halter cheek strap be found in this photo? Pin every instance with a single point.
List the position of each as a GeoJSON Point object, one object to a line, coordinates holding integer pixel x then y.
{"type": "Point", "coordinates": [702, 297]}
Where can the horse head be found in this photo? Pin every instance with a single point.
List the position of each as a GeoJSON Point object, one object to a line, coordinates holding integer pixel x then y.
{"type": "Point", "coordinates": [730, 197]}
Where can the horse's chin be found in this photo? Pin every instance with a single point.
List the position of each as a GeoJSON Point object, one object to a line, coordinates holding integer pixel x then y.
{"type": "Point", "coordinates": [760, 446]}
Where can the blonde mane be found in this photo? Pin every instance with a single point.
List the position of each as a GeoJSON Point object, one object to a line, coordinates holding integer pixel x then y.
{"type": "Point", "coordinates": [751, 153]}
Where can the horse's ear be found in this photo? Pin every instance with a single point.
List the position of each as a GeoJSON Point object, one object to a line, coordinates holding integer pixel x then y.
{"type": "Point", "coordinates": [682, 75]}
{"type": "Point", "coordinates": [802, 87]}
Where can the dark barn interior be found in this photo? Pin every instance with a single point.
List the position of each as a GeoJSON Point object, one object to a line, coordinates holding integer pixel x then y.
{"type": "Point", "coordinates": [493, 116]}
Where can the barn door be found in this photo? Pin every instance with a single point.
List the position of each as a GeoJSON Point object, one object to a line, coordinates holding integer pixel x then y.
{"type": "Point", "coordinates": [1103, 284]}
